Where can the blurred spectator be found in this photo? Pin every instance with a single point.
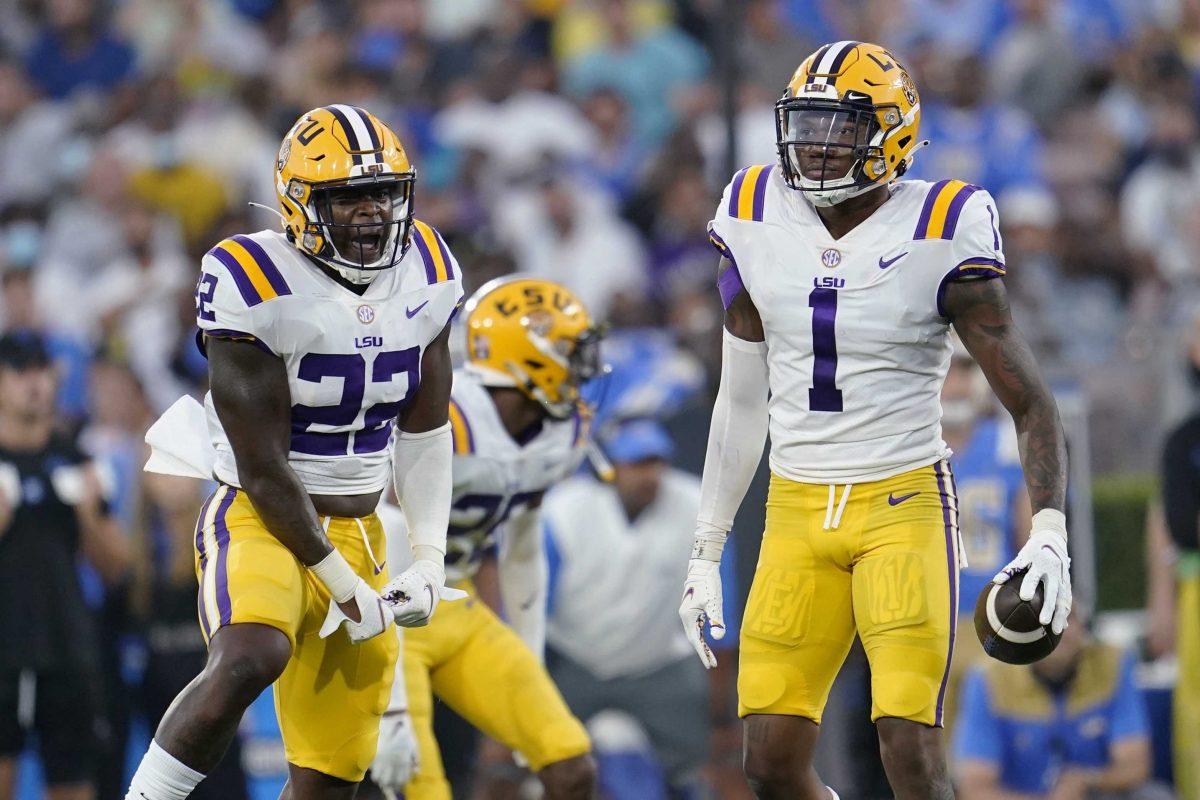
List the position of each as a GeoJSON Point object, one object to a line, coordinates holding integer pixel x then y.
{"type": "Point", "coordinates": [53, 510]}
{"type": "Point", "coordinates": [1034, 66]}
{"type": "Point", "coordinates": [518, 128]}
{"type": "Point", "coordinates": [1159, 202]}
{"type": "Point", "coordinates": [134, 301]}
{"type": "Point", "coordinates": [972, 137]}
{"type": "Point", "coordinates": [617, 159]}
{"type": "Point", "coordinates": [618, 553]}
{"type": "Point", "coordinates": [770, 49]}
{"type": "Point", "coordinates": [953, 27]}
{"type": "Point", "coordinates": [1073, 319]}
{"type": "Point", "coordinates": [27, 126]}
{"type": "Point", "coordinates": [568, 232]}
{"type": "Point", "coordinates": [77, 49]}
{"type": "Point", "coordinates": [994, 514]}
{"type": "Point", "coordinates": [1180, 477]}
{"type": "Point", "coordinates": [71, 356]}
{"type": "Point", "coordinates": [647, 68]}
{"type": "Point", "coordinates": [1070, 727]}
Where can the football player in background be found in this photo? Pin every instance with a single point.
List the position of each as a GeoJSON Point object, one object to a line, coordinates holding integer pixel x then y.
{"type": "Point", "coordinates": [319, 338]}
{"type": "Point", "coordinates": [840, 284]}
{"type": "Point", "coordinates": [993, 504]}
{"type": "Point", "coordinates": [519, 427]}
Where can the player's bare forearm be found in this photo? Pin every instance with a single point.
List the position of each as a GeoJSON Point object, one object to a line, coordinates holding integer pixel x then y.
{"type": "Point", "coordinates": [982, 317]}
{"type": "Point", "coordinates": [252, 399]}
{"type": "Point", "coordinates": [741, 317]}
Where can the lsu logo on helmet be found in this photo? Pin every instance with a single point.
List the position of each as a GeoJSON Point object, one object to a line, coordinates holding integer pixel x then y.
{"type": "Point", "coordinates": [535, 336]}
{"type": "Point", "coordinates": [848, 96]}
{"type": "Point", "coordinates": [330, 157]}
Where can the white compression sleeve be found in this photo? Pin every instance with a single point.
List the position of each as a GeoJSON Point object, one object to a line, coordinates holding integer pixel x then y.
{"type": "Point", "coordinates": [524, 575]}
{"type": "Point", "coordinates": [421, 470]}
{"type": "Point", "coordinates": [737, 433]}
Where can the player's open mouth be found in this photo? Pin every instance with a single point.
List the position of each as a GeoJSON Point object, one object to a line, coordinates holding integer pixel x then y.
{"type": "Point", "coordinates": [368, 245]}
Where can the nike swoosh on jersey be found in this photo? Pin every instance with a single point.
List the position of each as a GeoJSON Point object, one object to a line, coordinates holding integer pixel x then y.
{"type": "Point", "coordinates": [412, 312]}
{"type": "Point", "coordinates": [885, 264]}
{"type": "Point", "coordinates": [895, 501]}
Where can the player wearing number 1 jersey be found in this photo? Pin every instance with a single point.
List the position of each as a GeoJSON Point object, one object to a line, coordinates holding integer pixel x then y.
{"type": "Point", "coordinates": [840, 284]}
{"type": "Point", "coordinates": [327, 349]}
{"type": "Point", "coordinates": [519, 428]}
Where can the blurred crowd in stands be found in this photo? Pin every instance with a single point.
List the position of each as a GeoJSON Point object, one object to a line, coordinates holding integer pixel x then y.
{"type": "Point", "coordinates": [585, 141]}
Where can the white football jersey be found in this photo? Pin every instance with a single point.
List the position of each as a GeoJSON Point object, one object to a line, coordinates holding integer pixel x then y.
{"type": "Point", "coordinates": [352, 361]}
{"type": "Point", "coordinates": [496, 477]}
{"type": "Point", "coordinates": [857, 337]}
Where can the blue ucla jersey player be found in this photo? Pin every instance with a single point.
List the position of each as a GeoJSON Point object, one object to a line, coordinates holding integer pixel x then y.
{"type": "Point", "coordinates": [330, 372]}
{"type": "Point", "coordinates": [519, 427]}
{"type": "Point", "coordinates": [840, 284]}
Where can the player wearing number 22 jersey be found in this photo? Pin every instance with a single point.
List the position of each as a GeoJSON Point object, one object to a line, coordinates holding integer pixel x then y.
{"type": "Point", "coordinates": [519, 428]}
{"type": "Point", "coordinates": [330, 374]}
{"type": "Point", "coordinates": [840, 284]}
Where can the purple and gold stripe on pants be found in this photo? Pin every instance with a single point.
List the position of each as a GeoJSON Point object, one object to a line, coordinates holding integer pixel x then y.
{"type": "Point", "coordinates": [949, 497]}
{"type": "Point", "coordinates": [212, 549]}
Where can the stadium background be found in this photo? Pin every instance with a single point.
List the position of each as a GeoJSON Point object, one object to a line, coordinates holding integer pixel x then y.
{"type": "Point", "coordinates": [588, 141]}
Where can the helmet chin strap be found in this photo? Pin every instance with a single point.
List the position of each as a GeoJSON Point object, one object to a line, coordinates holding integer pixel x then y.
{"type": "Point", "coordinates": [274, 211]}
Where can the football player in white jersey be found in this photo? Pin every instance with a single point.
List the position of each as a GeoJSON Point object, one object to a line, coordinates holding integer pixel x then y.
{"type": "Point", "coordinates": [840, 285]}
{"type": "Point", "coordinates": [519, 427]}
{"type": "Point", "coordinates": [326, 341]}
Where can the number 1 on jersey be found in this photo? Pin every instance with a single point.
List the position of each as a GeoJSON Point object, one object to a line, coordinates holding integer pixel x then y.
{"type": "Point", "coordinates": [824, 394]}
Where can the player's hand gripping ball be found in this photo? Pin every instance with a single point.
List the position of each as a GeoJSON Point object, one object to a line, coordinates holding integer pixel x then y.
{"type": "Point", "coordinates": [1008, 627]}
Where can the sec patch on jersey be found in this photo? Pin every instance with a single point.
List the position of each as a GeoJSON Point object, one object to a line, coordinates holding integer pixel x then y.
{"type": "Point", "coordinates": [1008, 626]}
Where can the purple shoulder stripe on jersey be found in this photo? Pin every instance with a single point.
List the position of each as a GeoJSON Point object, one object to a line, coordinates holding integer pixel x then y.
{"type": "Point", "coordinates": [224, 604]}
{"type": "Point", "coordinates": [963, 271]}
{"type": "Point", "coordinates": [426, 256]}
{"type": "Point", "coordinates": [760, 193]}
{"type": "Point", "coordinates": [240, 278]}
{"type": "Point", "coordinates": [947, 495]}
{"type": "Point", "coordinates": [735, 191]}
{"type": "Point", "coordinates": [955, 210]}
{"type": "Point", "coordinates": [445, 253]}
{"type": "Point", "coordinates": [927, 209]}
{"type": "Point", "coordinates": [272, 273]}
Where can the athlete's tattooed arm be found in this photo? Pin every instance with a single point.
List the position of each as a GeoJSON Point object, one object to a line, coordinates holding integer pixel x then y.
{"type": "Point", "coordinates": [741, 317]}
{"type": "Point", "coordinates": [980, 313]}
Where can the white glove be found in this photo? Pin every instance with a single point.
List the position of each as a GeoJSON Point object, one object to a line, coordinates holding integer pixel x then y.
{"type": "Point", "coordinates": [398, 757]}
{"type": "Point", "coordinates": [414, 594]}
{"type": "Point", "coordinates": [702, 597]}
{"type": "Point", "coordinates": [375, 616]}
{"type": "Point", "coordinates": [1045, 557]}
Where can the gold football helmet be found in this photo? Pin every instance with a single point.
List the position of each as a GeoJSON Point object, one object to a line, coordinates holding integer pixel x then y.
{"type": "Point", "coordinates": [533, 335]}
{"type": "Point", "coordinates": [345, 187]}
{"type": "Point", "coordinates": [847, 96]}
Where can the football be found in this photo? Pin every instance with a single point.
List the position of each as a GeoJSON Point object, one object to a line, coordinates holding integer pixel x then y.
{"type": "Point", "coordinates": [1008, 626]}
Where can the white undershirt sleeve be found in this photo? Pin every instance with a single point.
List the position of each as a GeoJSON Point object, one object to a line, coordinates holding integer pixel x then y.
{"type": "Point", "coordinates": [421, 470]}
{"type": "Point", "coordinates": [524, 576]}
{"type": "Point", "coordinates": [737, 433]}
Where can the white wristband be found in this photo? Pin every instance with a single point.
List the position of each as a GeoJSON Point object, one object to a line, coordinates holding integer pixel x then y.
{"type": "Point", "coordinates": [1050, 520]}
{"type": "Point", "coordinates": [334, 571]}
{"type": "Point", "coordinates": [709, 543]}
